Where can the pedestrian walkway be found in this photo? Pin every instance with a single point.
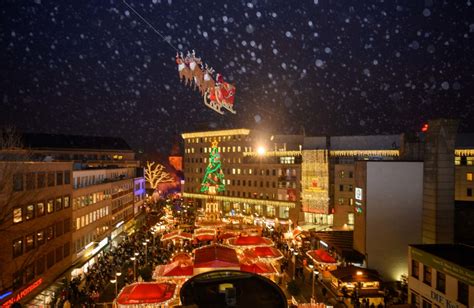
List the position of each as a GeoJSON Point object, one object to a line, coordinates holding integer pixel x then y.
{"type": "Point", "coordinates": [306, 290]}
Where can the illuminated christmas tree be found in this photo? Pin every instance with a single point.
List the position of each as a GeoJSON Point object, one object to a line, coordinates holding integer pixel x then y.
{"type": "Point", "coordinates": [213, 181]}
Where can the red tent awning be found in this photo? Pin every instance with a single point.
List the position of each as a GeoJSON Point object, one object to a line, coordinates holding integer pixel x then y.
{"type": "Point", "coordinates": [175, 269]}
{"type": "Point", "coordinates": [264, 252]}
{"type": "Point", "coordinates": [258, 268]}
{"type": "Point", "coordinates": [321, 256]}
{"type": "Point", "coordinates": [215, 256]}
{"type": "Point", "coordinates": [146, 293]}
{"type": "Point", "coordinates": [204, 237]}
{"type": "Point", "coordinates": [182, 257]}
{"type": "Point", "coordinates": [177, 235]}
{"type": "Point", "coordinates": [248, 241]}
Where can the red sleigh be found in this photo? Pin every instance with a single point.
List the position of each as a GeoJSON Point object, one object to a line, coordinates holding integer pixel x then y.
{"type": "Point", "coordinates": [220, 96]}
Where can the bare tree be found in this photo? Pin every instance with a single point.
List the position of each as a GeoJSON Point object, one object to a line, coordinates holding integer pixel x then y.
{"type": "Point", "coordinates": [156, 174]}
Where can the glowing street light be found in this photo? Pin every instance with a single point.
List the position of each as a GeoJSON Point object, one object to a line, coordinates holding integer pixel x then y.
{"type": "Point", "coordinates": [261, 150]}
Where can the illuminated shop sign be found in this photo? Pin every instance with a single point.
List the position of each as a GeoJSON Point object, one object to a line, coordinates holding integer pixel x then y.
{"type": "Point", "coordinates": [358, 193]}
{"type": "Point", "coordinates": [23, 293]}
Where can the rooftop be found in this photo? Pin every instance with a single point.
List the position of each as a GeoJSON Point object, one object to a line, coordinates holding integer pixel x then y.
{"type": "Point", "coordinates": [53, 141]}
{"type": "Point", "coordinates": [456, 253]}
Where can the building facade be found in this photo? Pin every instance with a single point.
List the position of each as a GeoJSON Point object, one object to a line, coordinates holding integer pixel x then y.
{"type": "Point", "coordinates": [262, 174]}
{"type": "Point", "coordinates": [36, 226]}
{"type": "Point", "coordinates": [388, 197]}
{"type": "Point", "coordinates": [441, 275]}
{"type": "Point", "coordinates": [63, 201]}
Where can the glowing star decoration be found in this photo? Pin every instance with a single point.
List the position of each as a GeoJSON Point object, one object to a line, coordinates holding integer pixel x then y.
{"type": "Point", "coordinates": [213, 180]}
{"type": "Point", "coordinates": [217, 93]}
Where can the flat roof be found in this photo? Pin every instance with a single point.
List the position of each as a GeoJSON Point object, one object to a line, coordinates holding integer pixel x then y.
{"type": "Point", "coordinates": [459, 254]}
{"type": "Point", "coordinates": [69, 142]}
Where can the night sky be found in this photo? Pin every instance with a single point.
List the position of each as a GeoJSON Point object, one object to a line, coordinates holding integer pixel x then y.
{"type": "Point", "coordinates": [330, 66]}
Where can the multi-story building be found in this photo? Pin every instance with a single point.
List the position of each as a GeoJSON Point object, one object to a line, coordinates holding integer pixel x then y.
{"type": "Point", "coordinates": [70, 196]}
{"type": "Point", "coordinates": [388, 203]}
{"type": "Point", "coordinates": [441, 275]}
{"type": "Point", "coordinates": [35, 226]}
{"type": "Point", "coordinates": [262, 173]}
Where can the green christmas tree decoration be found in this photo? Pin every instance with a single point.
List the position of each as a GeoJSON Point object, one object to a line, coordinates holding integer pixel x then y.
{"type": "Point", "coordinates": [213, 180]}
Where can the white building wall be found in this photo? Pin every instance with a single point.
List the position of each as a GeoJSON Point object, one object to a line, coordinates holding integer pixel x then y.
{"type": "Point", "coordinates": [394, 212]}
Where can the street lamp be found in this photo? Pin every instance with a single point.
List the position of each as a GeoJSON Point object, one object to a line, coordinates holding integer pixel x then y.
{"type": "Point", "coordinates": [294, 264]}
{"type": "Point", "coordinates": [146, 252]}
{"type": "Point", "coordinates": [114, 281]}
{"type": "Point", "coordinates": [134, 268]}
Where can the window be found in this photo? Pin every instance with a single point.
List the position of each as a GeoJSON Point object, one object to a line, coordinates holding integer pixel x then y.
{"type": "Point", "coordinates": [463, 293]}
{"type": "Point", "coordinates": [17, 247]}
{"type": "Point", "coordinates": [40, 209]}
{"type": "Point", "coordinates": [270, 210]}
{"type": "Point", "coordinates": [18, 182]}
{"type": "Point", "coordinates": [440, 282]}
{"type": "Point", "coordinates": [40, 265]}
{"type": "Point", "coordinates": [50, 179]}
{"type": "Point", "coordinates": [29, 273]}
{"type": "Point", "coordinates": [469, 176]}
{"type": "Point", "coordinates": [66, 249]}
{"type": "Point", "coordinates": [59, 228]}
{"type": "Point", "coordinates": [415, 269]}
{"type": "Point", "coordinates": [49, 233]}
{"type": "Point", "coordinates": [351, 201]}
{"type": "Point", "coordinates": [30, 181]}
{"type": "Point", "coordinates": [59, 178]}
{"type": "Point", "coordinates": [50, 207]}
{"type": "Point", "coordinates": [427, 275]}
{"type": "Point", "coordinates": [341, 201]}
{"type": "Point", "coordinates": [351, 174]}
{"type": "Point", "coordinates": [50, 259]}
{"type": "Point", "coordinates": [258, 209]}
{"type": "Point", "coordinates": [67, 225]}
{"type": "Point", "coordinates": [17, 215]}
{"type": "Point", "coordinates": [341, 187]}
{"type": "Point", "coordinates": [426, 303]}
{"type": "Point", "coordinates": [284, 212]}
{"type": "Point", "coordinates": [29, 242]}
{"type": "Point", "coordinates": [30, 212]}
{"type": "Point", "coordinates": [41, 178]}
{"type": "Point", "coordinates": [350, 218]}
{"type": "Point", "coordinates": [58, 205]}
{"type": "Point", "coordinates": [59, 253]}
{"type": "Point", "coordinates": [350, 188]}
{"type": "Point", "coordinates": [40, 237]}
{"type": "Point", "coordinates": [341, 174]}
{"type": "Point", "coordinates": [66, 201]}
{"type": "Point", "coordinates": [415, 299]}
{"type": "Point", "coordinates": [469, 192]}
{"type": "Point", "coordinates": [67, 177]}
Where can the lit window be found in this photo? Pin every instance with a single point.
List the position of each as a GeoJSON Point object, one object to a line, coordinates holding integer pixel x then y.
{"type": "Point", "coordinates": [40, 209]}
{"type": "Point", "coordinates": [469, 176]}
{"type": "Point", "coordinates": [350, 218]}
{"type": "Point", "coordinates": [29, 242]}
{"type": "Point", "coordinates": [233, 149]}
{"type": "Point", "coordinates": [270, 211]}
{"type": "Point", "coordinates": [17, 215]}
{"type": "Point", "coordinates": [50, 206]}
{"type": "Point", "coordinates": [30, 212]}
{"type": "Point", "coordinates": [233, 170]}
{"type": "Point", "coordinates": [238, 149]}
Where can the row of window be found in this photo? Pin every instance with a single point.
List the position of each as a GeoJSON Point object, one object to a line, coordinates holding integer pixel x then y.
{"type": "Point", "coordinates": [347, 187]}
{"type": "Point", "coordinates": [38, 267]}
{"type": "Point", "coordinates": [88, 238]}
{"type": "Point", "coordinates": [262, 210]}
{"type": "Point", "coordinates": [232, 149]}
{"type": "Point", "coordinates": [343, 174]}
{"type": "Point", "coordinates": [89, 199]}
{"type": "Point", "coordinates": [38, 209]}
{"type": "Point", "coordinates": [464, 160]}
{"type": "Point", "coordinates": [91, 217]}
{"type": "Point", "coordinates": [463, 289]}
{"type": "Point", "coordinates": [219, 139]}
{"type": "Point", "coordinates": [342, 201]}
{"type": "Point", "coordinates": [34, 240]}
{"type": "Point", "coordinates": [38, 180]}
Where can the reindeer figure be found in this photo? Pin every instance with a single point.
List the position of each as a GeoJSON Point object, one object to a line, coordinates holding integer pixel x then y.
{"type": "Point", "coordinates": [207, 80]}
{"type": "Point", "coordinates": [195, 65]}
{"type": "Point", "coordinates": [185, 73]}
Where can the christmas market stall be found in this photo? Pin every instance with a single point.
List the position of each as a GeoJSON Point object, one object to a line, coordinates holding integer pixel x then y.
{"type": "Point", "coordinates": [146, 294]}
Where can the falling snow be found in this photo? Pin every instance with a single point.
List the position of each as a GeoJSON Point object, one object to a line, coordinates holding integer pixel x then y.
{"type": "Point", "coordinates": [332, 67]}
